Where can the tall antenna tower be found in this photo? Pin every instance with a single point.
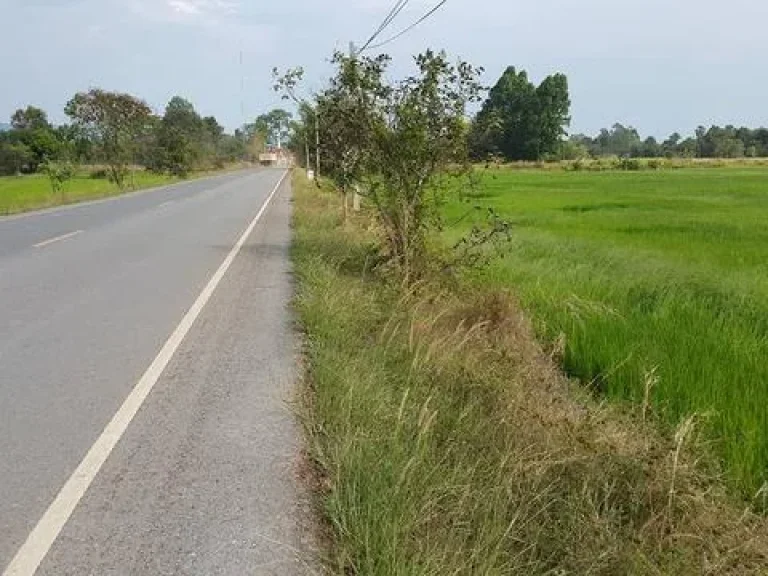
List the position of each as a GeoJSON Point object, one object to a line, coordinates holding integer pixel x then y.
{"type": "Point", "coordinates": [242, 89]}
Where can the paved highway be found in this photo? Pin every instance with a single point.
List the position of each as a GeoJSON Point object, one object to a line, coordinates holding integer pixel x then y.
{"type": "Point", "coordinates": [146, 369]}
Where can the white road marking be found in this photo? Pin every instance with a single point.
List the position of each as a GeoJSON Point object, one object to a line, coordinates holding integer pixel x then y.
{"type": "Point", "coordinates": [42, 537]}
{"type": "Point", "coordinates": [57, 239]}
{"type": "Point", "coordinates": [164, 204]}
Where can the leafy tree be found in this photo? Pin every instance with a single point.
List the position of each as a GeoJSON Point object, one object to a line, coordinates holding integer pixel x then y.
{"type": "Point", "coordinates": [14, 157]}
{"type": "Point", "coordinates": [351, 108]}
{"type": "Point", "coordinates": [419, 141]}
{"type": "Point", "coordinates": [649, 149]}
{"type": "Point", "coordinates": [31, 128]}
{"type": "Point", "coordinates": [620, 140]}
{"type": "Point", "coordinates": [30, 118]}
{"type": "Point", "coordinates": [112, 121]}
{"type": "Point", "coordinates": [275, 126]}
{"type": "Point", "coordinates": [552, 114]}
{"type": "Point", "coordinates": [180, 136]}
{"type": "Point", "coordinates": [303, 135]}
{"type": "Point", "coordinates": [232, 148]}
{"type": "Point", "coordinates": [520, 121]}
{"type": "Point", "coordinates": [403, 140]}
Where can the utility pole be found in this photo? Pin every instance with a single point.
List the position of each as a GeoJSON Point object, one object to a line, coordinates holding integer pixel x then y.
{"type": "Point", "coordinates": [356, 195]}
{"type": "Point", "coordinates": [317, 141]}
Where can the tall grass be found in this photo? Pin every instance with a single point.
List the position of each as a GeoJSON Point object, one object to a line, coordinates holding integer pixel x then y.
{"type": "Point", "coordinates": [663, 272]}
{"type": "Point", "coordinates": [447, 442]}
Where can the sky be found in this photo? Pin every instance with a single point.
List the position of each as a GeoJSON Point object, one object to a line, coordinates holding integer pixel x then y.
{"type": "Point", "coordinates": [661, 65]}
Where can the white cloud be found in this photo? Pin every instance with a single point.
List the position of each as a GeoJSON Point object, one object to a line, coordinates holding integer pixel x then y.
{"type": "Point", "coordinates": [184, 10]}
{"type": "Point", "coordinates": [204, 7]}
{"type": "Point", "coordinates": [184, 7]}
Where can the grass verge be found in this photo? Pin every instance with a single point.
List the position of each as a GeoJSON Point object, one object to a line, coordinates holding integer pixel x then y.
{"type": "Point", "coordinates": [447, 442]}
{"type": "Point", "coordinates": [33, 192]}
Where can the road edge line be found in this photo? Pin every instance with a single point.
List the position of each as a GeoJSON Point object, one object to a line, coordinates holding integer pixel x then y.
{"type": "Point", "coordinates": [37, 545]}
{"type": "Point", "coordinates": [55, 239]}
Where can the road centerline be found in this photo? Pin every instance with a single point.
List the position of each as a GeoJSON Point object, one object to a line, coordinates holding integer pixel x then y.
{"type": "Point", "coordinates": [55, 239]}
{"type": "Point", "coordinates": [46, 531]}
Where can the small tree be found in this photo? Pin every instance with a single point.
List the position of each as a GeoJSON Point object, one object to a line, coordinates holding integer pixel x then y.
{"type": "Point", "coordinates": [113, 121]}
{"type": "Point", "coordinates": [406, 141]}
{"type": "Point", "coordinates": [59, 173]}
{"type": "Point", "coordinates": [353, 109]}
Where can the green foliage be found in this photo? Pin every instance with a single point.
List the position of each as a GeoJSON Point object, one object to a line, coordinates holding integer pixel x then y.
{"type": "Point", "coordinates": [180, 137]}
{"type": "Point", "coordinates": [351, 109]}
{"type": "Point", "coordinates": [15, 158]}
{"type": "Point", "coordinates": [58, 174]}
{"type": "Point", "coordinates": [30, 118]}
{"type": "Point", "coordinates": [521, 121]}
{"type": "Point", "coordinates": [31, 129]}
{"type": "Point", "coordinates": [399, 140]}
{"type": "Point", "coordinates": [113, 121]}
{"type": "Point", "coordinates": [714, 142]}
{"type": "Point", "coordinates": [274, 127]}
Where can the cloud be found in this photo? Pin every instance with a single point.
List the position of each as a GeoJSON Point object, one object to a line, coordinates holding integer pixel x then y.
{"type": "Point", "coordinates": [204, 7]}
{"type": "Point", "coordinates": [180, 11]}
{"type": "Point", "coordinates": [184, 7]}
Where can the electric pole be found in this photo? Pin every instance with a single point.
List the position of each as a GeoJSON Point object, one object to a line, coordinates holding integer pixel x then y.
{"type": "Point", "coordinates": [317, 141]}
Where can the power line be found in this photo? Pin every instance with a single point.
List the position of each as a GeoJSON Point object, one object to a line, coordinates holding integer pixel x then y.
{"type": "Point", "coordinates": [409, 28]}
{"type": "Point", "coordinates": [396, 9]}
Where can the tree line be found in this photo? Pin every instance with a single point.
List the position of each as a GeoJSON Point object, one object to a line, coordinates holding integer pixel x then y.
{"type": "Point", "coordinates": [120, 131]}
{"type": "Point", "coordinates": [713, 142]}
{"type": "Point", "coordinates": [522, 121]}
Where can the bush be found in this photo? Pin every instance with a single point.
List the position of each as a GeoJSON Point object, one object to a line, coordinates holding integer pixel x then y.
{"type": "Point", "coordinates": [631, 164]}
{"type": "Point", "coordinates": [58, 173]}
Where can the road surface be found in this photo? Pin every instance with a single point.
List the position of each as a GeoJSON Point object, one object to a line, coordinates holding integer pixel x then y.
{"type": "Point", "coordinates": [146, 372]}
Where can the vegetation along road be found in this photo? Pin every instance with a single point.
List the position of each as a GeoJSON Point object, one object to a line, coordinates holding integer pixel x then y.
{"type": "Point", "coordinates": [181, 292]}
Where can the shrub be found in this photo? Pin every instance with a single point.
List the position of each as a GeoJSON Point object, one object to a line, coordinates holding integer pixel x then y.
{"type": "Point", "coordinates": [631, 164]}
{"type": "Point", "coordinates": [58, 173]}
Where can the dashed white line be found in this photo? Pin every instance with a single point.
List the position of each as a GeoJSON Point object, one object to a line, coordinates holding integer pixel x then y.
{"type": "Point", "coordinates": [57, 239]}
{"type": "Point", "coordinates": [42, 537]}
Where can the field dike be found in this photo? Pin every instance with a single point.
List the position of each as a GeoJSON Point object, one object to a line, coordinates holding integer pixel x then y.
{"type": "Point", "coordinates": [444, 440]}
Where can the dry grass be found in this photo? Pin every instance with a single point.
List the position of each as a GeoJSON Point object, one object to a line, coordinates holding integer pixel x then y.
{"type": "Point", "coordinates": [450, 443]}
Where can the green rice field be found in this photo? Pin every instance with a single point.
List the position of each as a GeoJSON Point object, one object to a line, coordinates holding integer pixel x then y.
{"type": "Point", "coordinates": [657, 282]}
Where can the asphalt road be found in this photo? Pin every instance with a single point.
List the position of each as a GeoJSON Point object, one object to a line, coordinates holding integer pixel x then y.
{"type": "Point", "coordinates": [204, 477]}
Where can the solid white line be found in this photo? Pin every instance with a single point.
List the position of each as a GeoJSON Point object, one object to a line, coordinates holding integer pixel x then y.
{"type": "Point", "coordinates": [40, 540]}
{"type": "Point", "coordinates": [57, 239]}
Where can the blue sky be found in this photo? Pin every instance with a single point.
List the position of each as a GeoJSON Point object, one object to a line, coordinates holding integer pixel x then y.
{"type": "Point", "coordinates": [660, 65]}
